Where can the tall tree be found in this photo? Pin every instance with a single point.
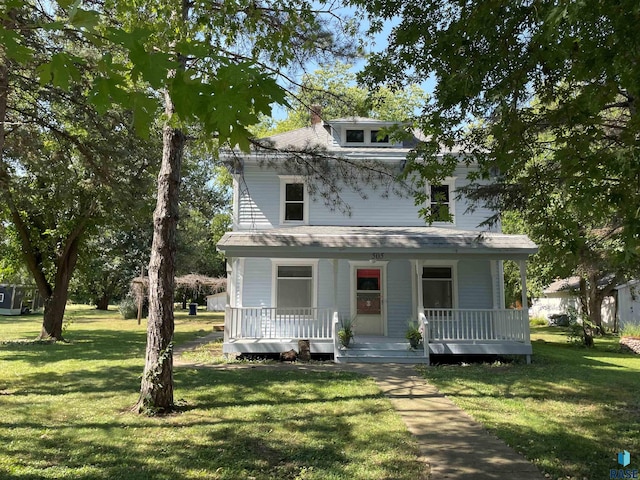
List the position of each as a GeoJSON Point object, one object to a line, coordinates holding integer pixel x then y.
{"type": "Point", "coordinates": [543, 97]}
{"type": "Point", "coordinates": [215, 65]}
{"type": "Point", "coordinates": [63, 163]}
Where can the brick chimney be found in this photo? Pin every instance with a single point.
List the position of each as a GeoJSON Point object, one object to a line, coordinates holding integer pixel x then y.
{"type": "Point", "coordinates": [316, 114]}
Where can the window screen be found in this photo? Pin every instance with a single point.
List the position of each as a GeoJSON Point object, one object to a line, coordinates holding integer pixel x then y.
{"type": "Point", "coordinates": [294, 286]}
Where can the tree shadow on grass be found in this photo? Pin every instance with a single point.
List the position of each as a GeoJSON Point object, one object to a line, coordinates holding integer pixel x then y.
{"type": "Point", "coordinates": [263, 424]}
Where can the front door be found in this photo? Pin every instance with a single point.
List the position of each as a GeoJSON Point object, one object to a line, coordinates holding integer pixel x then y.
{"type": "Point", "coordinates": [369, 311]}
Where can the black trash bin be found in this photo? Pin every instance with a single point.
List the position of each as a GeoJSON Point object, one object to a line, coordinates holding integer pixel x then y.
{"type": "Point", "coordinates": [193, 308]}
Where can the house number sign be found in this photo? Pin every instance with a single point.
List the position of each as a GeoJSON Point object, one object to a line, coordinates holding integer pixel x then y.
{"type": "Point", "coordinates": [377, 256]}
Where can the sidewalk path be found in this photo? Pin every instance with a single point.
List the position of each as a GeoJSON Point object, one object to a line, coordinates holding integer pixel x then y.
{"type": "Point", "coordinates": [451, 442]}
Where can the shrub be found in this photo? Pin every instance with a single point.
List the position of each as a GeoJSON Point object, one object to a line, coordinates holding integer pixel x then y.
{"type": "Point", "coordinates": [128, 308]}
{"type": "Point", "coordinates": [630, 330]}
{"type": "Point", "coordinates": [537, 321]}
{"type": "Point", "coordinates": [581, 330]}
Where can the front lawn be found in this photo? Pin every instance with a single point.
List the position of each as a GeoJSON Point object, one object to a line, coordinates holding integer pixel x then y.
{"type": "Point", "coordinates": [569, 412]}
{"type": "Point", "coordinates": [65, 413]}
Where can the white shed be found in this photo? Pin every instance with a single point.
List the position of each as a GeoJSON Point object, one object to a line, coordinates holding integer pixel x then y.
{"type": "Point", "coordinates": [216, 302]}
{"type": "Point", "coordinates": [629, 303]}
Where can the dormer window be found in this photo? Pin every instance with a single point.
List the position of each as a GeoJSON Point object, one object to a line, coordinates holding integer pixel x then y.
{"type": "Point", "coordinates": [376, 137]}
{"type": "Point", "coordinates": [369, 133]}
{"type": "Point", "coordinates": [355, 136]}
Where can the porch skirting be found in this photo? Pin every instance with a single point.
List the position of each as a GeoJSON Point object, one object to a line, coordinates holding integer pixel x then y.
{"type": "Point", "coordinates": [399, 355]}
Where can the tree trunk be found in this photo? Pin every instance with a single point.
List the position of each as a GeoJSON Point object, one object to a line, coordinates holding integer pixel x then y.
{"type": "Point", "coordinates": [56, 303]}
{"type": "Point", "coordinates": [102, 303]}
{"type": "Point", "coordinates": [156, 393]}
{"type": "Point", "coordinates": [156, 390]}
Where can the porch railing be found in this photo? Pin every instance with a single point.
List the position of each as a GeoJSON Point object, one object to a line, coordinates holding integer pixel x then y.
{"type": "Point", "coordinates": [270, 322]}
{"type": "Point", "coordinates": [476, 325]}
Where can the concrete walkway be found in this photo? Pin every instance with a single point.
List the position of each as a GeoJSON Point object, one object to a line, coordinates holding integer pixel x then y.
{"type": "Point", "coordinates": [454, 446]}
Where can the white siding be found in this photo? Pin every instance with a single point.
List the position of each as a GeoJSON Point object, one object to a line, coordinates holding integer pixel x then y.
{"type": "Point", "coordinates": [474, 284]}
{"type": "Point", "coordinates": [259, 205]}
{"type": "Point", "coordinates": [399, 297]}
{"type": "Point", "coordinates": [256, 288]}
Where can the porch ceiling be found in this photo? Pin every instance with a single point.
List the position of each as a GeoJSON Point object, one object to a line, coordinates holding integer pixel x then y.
{"type": "Point", "coordinates": [381, 243]}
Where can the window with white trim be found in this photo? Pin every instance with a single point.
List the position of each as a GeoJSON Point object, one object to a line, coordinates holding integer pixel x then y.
{"type": "Point", "coordinates": [377, 137]}
{"type": "Point", "coordinates": [294, 202]}
{"type": "Point", "coordinates": [441, 201]}
{"type": "Point", "coordinates": [355, 136]}
{"type": "Point", "coordinates": [437, 287]}
{"type": "Point", "coordinates": [1, 297]}
{"type": "Point", "coordinates": [294, 286]}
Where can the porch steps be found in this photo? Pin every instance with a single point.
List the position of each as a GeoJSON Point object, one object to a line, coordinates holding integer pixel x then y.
{"type": "Point", "coordinates": [380, 352]}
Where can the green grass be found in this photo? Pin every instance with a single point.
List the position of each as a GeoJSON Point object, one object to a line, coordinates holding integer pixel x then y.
{"type": "Point", "coordinates": [630, 331]}
{"type": "Point", "coordinates": [66, 413]}
{"type": "Point", "coordinates": [569, 412]}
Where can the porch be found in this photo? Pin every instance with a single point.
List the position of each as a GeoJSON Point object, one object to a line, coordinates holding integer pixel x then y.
{"type": "Point", "coordinates": [449, 332]}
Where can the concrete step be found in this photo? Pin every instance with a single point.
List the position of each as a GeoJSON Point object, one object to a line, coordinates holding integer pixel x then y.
{"type": "Point", "coordinates": [380, 352]}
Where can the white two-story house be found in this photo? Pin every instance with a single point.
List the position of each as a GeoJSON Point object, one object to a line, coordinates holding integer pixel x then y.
{"type": "Point", "coordinates": [297, 268]}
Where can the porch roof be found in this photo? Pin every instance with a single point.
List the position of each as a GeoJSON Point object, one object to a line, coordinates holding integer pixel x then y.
{"type": "Point", "coordinates": [382, 243]}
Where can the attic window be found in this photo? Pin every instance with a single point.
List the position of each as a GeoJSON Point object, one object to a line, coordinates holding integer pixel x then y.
{"type": "Point", "coordinates": [375, 139]}
{"type": "Point", "coordinates": [355, 136]}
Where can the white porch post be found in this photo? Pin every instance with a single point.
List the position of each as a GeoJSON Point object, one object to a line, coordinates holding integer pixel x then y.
{"type": "Point", "coordinates": [495, 284]}
{"type": "Point", "coordinates": [231, 288]}
{"type": "Point", "coordinates": [420, 298]}
{"type": "Point", "coordinates": [335, 262]}
{"type": "Point", "coordinates": [522, 265]}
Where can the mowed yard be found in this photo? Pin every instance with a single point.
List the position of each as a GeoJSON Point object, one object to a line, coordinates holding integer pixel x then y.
{"type": "Point", "coordinates": [65, 410]}
{"type": "Point", "coordinates": [570, 412]}
{"type": "Point", "coordinates": [65, 413]}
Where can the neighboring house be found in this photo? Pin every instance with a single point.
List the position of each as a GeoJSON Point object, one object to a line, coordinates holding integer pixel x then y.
{"type": "Point", "coordinates": [217, 302]}
{"type": "Point", "coordinates": [296, 268]}
{"type": "Point", "coordinates": [562, 296]}
{"type": "Point", "coordinates": [17, 299]}
{"type": "Point", "coordinates": [558, 298]}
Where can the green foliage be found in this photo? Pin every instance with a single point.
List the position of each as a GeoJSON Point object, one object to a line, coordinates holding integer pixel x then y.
{"type": "Point", "coordinates": [413, 334]}
{"type": "Point", "coordinates": [345, 331]}
{"type": "Point", "coordinates": [537, 321]}
{"type": "Point", "coordinates": [128, 308]}
{"type": "Point", "coordinates": [630, 330]}
{"type": "Point", "coordinates": [542, 98]}
{"type": "Point", "coordinates": [333, 87]}
{"type": "Point", "coordinates": [581, 329]}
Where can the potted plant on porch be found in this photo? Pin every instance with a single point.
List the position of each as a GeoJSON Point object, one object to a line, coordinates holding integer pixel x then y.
{"type": "Point", "coordinates": [414, 335]}
{"type": "Point", "coordinates": [345, 332]}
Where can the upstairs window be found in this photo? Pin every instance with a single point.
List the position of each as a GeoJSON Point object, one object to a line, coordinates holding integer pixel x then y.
{"type": "Point", "coordinates": [355, 136]}
{"type": "Point", "coordinates": [293, 200]}
{"type": "Point", "coordinates": [440, 201]}
{"type": "Point", "coordinates": [375, 138]}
